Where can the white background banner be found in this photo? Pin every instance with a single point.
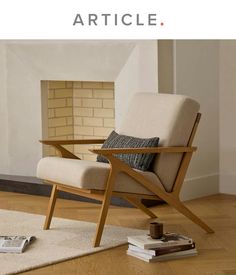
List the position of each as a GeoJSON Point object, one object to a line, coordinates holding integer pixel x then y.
{"type": "Point", "coordinates": [103, 19]}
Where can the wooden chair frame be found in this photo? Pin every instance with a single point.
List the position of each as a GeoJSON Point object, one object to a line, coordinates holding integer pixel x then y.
{"type": "Point", "coordinates": [117, 166]}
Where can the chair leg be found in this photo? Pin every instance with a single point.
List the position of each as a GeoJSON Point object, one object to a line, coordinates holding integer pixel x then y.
{"type": "Point", "coordinates": [189, 214]}
{"type": "Point", "coordinates": [51, 207]}
{"type": "Point", "coordinates": [104, 209]}
{"type": "Point", "coordinates": [137, 203]}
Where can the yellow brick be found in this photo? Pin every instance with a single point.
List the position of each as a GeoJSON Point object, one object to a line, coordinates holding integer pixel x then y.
{"type": "Point", "coordinates": [92, 85]}
{"type": "Point", "coordinates": [52, 151]}
{"type": "Point", "coordinates": [108, 103]}
{"type": "Point", "coordinates": [103, 93]}
{"type": "Point", "coordinates": [69, 102]}
{"type": "Point", "coordinates": [55, 122]}
{"type": "Point", "coordinates": [69, 120]}
{"type": "Point", "coordinates": [104, 113]}
{"type": "Point", "coordinates": [69, 84]}
{"type": "Point", "coordinates": [51, 113]}
{"type": "Point", "coordinates": [77, 84]}
{"type": "Point", "coordinates": [50, 94]}
{"type": "Point", "coordinates": [91, 121]}
{"type": "Point", "coordinates": [84, 93]}
{"type": "Point", "coordinates": [56, 84]}
{"type": "Point", "coordinates": [51, 132]}
{"type": "Point", "coordinates": [109, 122]}
{"type": "Point", "coordinates": [63, 137]}
{"type": "Point", "coordinates": [83, 112]}
{"type": "Point", "coordinates": [70, 137]}
{"type": "Point", "coordinates": [108, 85]}
{"type": "Point", "coordinates": [77, 102]}
{"type": "Point", "coordinates": [97, 103]}
{"type": "Point", "coordinates": [102, 131]}
{"type": "Point", "coordinates": [61, 112]}
{"type": "Point", "coordinates": [78, 121]}
{"type": "Point", "coordinates": [62, 93]}
{"type": "Point", "coordinates": [89, 157]}
{"type": "Point", "coordinates": [82, 149]}
{"type": "Point", "coordinates": [81, 130]}
{"type": "Point", "coordinates": [56, 103]}
{"type": "Point", "coordinates": [61, 131]}
{"type": "Point", "coordinates": [45, 152]}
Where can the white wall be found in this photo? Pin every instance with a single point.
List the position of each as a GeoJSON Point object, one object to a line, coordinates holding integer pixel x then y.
{"type": "Point", "coordinates": [73, 60]}
{"type": "Point", "coordinates": [24, 115]}
{"type": "Point", "coordinates": [4, 158]}
{"type": "Point", "coordinates": [227, 117]}
{"type": "Point", "coordinates": [196, 75]}
{"type": "Point", "coordinates": [28, 63]}
{"type": "Point", "coordinates": [139, 74]}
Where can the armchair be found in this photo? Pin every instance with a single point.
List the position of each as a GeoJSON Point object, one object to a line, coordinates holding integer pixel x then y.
{"type": "Point", "coordinates": [172, 118]}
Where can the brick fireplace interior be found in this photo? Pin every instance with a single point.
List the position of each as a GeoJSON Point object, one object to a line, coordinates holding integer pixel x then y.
{"type": "Point", "coordinates": [77, 110]}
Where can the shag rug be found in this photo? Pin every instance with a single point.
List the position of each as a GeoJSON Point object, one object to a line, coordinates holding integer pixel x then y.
{"type": "Point", "coordinates": [65, 240]}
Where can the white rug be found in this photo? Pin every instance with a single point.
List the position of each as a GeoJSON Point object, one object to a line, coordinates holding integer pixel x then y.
{"type": "Point", "coordinates": [66, 239]}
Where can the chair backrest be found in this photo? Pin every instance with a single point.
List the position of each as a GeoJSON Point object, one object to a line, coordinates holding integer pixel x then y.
{"type": "Point", "coordinates": [167, 116]}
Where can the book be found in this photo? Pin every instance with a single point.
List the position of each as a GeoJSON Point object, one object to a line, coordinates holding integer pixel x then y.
{"type": "Point", "coordinates": [161, 250]}
{"type": "Point", "coordinates": [168, 239]}
{"type": "Point", "coordinates": [169, 256]}
{"type": "Point", "coordinates": [15, 244]}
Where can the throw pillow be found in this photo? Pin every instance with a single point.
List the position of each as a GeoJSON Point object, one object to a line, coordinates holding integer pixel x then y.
{"type": "Point", "coordinates": [137, 161]}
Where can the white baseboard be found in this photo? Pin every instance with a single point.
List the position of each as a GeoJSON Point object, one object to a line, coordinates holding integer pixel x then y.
{"type": "Point", "coordinates": [228, 184]}
{"type": "Point", "coordinates": [200, 187]}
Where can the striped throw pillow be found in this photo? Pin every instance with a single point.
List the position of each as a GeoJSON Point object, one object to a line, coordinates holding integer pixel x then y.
{"type": "Point", "coordinates": [137, 161]}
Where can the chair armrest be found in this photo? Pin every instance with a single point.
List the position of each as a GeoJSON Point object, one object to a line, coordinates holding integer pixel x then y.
{"type": "Point", "coordinates": [155, 150]}
{"type": "Point", "coordinates": [74, 141]}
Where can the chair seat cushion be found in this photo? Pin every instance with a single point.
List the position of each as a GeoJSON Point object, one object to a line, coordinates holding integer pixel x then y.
{"type": "Point", "coordinates": [89, 175]}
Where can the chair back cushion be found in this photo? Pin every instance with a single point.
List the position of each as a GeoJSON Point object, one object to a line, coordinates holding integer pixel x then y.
{"type": "Point", "coordinates": [167, 116]}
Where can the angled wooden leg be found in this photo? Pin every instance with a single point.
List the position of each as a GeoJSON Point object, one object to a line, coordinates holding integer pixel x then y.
{"type": "Point", "coordinates": [189, 214]}
{"type": "Point", "coordinates": [171, 198]}
{"type": "Point", "coordinates": [137, 203]}
{"type": "Point", "coordinates": [51, 207]}
{"type": "Point", "coordinates": [105, 205]}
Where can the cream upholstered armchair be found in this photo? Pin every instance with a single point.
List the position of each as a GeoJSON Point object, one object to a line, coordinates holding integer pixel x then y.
{"type": "Point", "coordinates": [172, 118]}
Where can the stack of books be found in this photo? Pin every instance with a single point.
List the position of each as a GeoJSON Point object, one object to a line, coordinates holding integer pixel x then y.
{"type": "Point", "coordinates": [170, 246]}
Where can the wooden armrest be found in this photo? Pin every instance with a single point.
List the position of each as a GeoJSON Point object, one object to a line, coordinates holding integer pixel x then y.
{"type": "Point", "coordinates": [73, 141]}
{"type": "Point", "coordinates": [155, 150]}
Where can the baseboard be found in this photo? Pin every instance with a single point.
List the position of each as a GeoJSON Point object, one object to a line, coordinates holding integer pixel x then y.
{"type": "Point", "coordinates": [34, 186]}
{"type": "Point", "coordinates": [200, 187]}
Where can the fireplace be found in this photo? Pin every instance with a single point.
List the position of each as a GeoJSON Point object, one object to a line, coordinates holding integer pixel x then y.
{"type": "Point", "coordinates": [77, 110]}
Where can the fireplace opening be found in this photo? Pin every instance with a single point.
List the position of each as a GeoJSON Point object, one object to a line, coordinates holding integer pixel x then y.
{"type": "Point", "coordinates": [76, 110]}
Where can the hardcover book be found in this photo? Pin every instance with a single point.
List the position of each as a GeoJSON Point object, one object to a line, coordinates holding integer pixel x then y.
{"type": "Point", "coordinates": [170, 256]}
{"type": "Point", "coordinates": [161, 250]}
{"type": "Point", "coordinates": [168, 239]}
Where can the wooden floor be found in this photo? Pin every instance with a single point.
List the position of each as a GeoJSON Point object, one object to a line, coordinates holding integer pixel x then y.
{"type": "Point", "coordinates": [217, 252]}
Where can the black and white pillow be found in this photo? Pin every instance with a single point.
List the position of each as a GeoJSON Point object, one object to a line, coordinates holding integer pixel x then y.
{"type": "Point", "coordinates": [137, 161]}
